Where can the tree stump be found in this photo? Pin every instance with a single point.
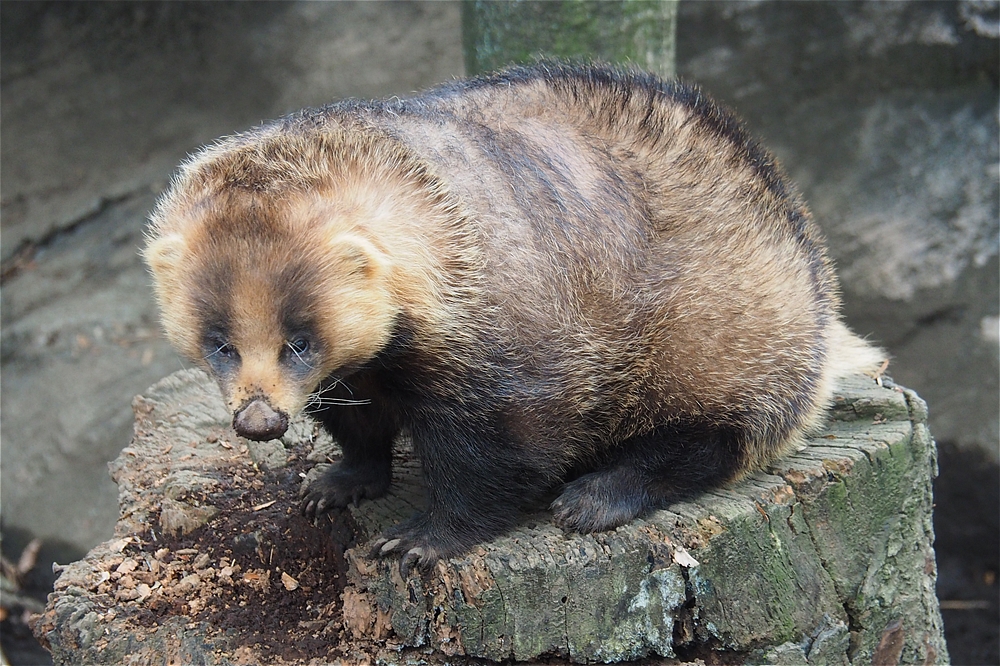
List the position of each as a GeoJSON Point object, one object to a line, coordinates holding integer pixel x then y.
{"type": "Point", "coordinates": [825, 558]}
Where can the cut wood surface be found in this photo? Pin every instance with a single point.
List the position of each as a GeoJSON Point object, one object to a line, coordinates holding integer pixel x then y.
{"type": "Point", "coordinates": [825, 558]}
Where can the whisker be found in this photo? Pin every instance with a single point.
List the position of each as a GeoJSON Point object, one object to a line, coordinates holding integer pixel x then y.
{"type": "Point", "coordinates": [325, 402]}
{"type": "Point", "coordinates": [331, 400]}
{"type": "Point", "coordinates": [219, 349]}
{"type": "Point", "coordinates": [299, 356]}
{"type": "Point", "coordinates": [337, 381]}
{"type": "Point", "coordinates": [318, 399]}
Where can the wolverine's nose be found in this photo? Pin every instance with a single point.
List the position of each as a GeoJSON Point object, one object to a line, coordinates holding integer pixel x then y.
{"type": "Point", "coordinates": [257, 421]}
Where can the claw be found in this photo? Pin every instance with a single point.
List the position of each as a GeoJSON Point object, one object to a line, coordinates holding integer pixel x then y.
{"type": "Point", "coordinates": [376, 549]}
{"type": "Point", "coordinates": [412, 556]}
{"type": "Point", "coordinates": [388, 546]}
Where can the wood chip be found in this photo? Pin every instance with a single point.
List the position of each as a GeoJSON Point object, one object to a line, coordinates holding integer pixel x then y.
{"type": "Point", "coordinates": [258, 579]}
{"type": "Point", "coordinates": [127, 566]}
{"type": "Point", "coordinates": [264, 505]}
{"type": "Point", "coordinates": [188, 584]}
{"type": "Point", "coordinates": [289, 582]}
{"type": "Point", "coordinates": [103, 578]}
{"type": "Point", "coordinates": [29, 557]}
{"type": "Point", "coordinates": [877, 375]}
{"type": "Point", "coordinates": [683, 558]}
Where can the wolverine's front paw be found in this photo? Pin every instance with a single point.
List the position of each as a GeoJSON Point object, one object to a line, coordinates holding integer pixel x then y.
{"type": "Point", "coordinates": [423, 556]}
{"type": "Point", "coordinates": [417, 542]}
{"type": "Point", "coordinates": [341, 486]}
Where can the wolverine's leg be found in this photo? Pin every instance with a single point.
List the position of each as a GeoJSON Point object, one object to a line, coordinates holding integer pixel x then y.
{"type": "Point", "coordinates": [359, 420]}
{"type": "Point", "coordinates": [476, 483]}
{"type": "Point", "coordinates": [649, 472]}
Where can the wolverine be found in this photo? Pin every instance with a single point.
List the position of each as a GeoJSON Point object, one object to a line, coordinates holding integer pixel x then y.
{"type": "Point", "coordinates": [581, 279]}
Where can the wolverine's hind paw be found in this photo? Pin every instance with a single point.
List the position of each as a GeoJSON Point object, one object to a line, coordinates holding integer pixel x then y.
{"type": "Point", "coordinates": [597, 502]}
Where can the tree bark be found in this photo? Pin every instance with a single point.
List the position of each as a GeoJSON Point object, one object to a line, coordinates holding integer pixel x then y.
{"type": "Point", "coordinates": [498, 33]}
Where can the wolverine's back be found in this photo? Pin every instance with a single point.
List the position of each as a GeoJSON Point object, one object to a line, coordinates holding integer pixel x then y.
{"type": "Point", "coordinates": [652, 232]}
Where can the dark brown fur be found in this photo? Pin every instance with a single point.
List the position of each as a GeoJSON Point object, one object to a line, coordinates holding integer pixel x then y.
{"type": "Point", "coordinates": [549, 275]}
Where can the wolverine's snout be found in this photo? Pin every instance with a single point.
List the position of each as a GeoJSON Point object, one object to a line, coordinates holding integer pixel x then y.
{"type": "Point", "coordinates": [256, 420]}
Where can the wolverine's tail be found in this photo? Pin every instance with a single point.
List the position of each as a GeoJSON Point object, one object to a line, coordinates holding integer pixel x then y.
{"type": "Point", "coordinates": [849, 354]}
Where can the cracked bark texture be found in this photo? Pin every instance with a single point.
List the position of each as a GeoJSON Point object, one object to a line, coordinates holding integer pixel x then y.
{"type": "Point", "coordinates": [824, 558]}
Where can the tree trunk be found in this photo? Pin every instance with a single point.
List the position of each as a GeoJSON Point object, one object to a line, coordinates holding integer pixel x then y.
{"type": "Point", "coordinates": [498, 33]}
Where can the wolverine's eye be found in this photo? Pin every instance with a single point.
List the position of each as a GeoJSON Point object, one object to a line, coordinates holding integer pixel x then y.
{"type": "Point", "coordinates": [225, 349]}
{"type": "Point", "coordinates": [220, 354]}
{"type": "Point", "coordinates": [299, 354]}
{"type": "Point", "coordinates": [299, 346]}
{"type": "Point", "coordinates": [218, 347]}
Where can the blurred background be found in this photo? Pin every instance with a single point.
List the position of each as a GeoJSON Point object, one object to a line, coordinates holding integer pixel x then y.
{"type": "Point", "coordinates": [884, 113]}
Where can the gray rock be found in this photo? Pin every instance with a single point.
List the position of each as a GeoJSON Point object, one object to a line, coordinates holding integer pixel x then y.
{"type": "Point", "coordinates": [270, 454]}
{"type": "Point", "coordinates": [108, 98]}
{"type": "Point", "coordinates": [180, 518]}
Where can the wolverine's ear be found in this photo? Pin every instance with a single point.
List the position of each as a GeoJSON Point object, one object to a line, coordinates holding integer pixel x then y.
{"type": "Point", "coordinates": [163, 254]}
{"type": "Point", "coordinates": [359, 256]}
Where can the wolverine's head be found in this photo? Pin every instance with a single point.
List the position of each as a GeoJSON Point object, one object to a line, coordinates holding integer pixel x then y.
{"type": "Point", "coordinates": [271, 295]}
{"type": "Point", "coordinates": [285, 256]}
